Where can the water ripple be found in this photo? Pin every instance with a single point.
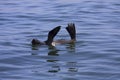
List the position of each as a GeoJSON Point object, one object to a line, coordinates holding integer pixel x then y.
{"type": "Point", "coordinates": [95, 55]}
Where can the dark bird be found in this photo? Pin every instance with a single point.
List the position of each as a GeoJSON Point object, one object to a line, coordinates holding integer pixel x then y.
{"type": "Point", "coordinates": [50, 40]}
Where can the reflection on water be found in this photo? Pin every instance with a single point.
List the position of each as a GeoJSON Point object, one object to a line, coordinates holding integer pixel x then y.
{"type": "Point", "coordinates": [72, 66]}
{"type": "Point", "coordinates": [54, 69]}
{"type": "Point", "coordinates": [53, 52]}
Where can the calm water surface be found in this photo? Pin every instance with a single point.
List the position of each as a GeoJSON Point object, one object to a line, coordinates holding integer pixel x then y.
{"type": "Point", "coordinates": [95, 56]}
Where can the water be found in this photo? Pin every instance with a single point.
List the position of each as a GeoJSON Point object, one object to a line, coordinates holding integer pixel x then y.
{"type": "Point", "coordinates": [95, 56]}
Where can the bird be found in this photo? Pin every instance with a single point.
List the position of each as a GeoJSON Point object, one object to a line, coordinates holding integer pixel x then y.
{"type": "Point", "coordinates": [52, 33]}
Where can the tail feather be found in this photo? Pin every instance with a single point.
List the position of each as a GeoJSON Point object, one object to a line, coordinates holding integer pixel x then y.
{"type": "Point", "coordinates": [51, 35]}
{"type": "Point", "coordinates": [71, 30]}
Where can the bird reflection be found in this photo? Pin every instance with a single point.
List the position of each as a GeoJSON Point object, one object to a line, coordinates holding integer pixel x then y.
{"type": "Point", "coordinates": [52, 53]}
{"type": "Point", "coordinates": [72, 66]}
{"type": "Point", "coordinates": [54, 69]}
{"type": "Point", "coordinates": [53, 59]}
{"type": "Point", "coordinates": [35, 47]}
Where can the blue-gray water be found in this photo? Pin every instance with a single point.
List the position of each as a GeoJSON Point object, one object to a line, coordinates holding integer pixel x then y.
{"type": "Point", "coordinates": [95, 55]}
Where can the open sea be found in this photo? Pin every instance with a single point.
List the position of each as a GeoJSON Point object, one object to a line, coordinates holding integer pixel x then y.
{"type": "Point", "coordinates": [94, 56]}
